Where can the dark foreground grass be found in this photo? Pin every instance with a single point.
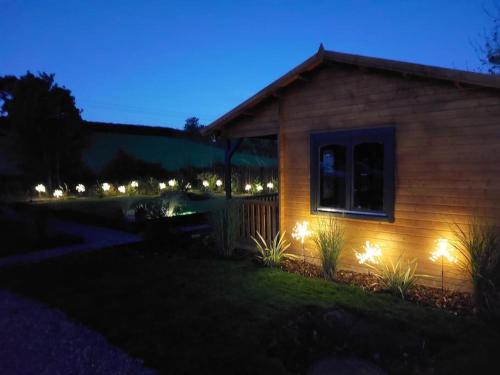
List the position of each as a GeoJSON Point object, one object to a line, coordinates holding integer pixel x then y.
{"type": "Point", "coordinates": [203, 315]}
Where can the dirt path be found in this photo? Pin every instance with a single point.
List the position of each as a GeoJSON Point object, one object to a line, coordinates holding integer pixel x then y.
{"type": "Point", "coordinates": [35, 339]}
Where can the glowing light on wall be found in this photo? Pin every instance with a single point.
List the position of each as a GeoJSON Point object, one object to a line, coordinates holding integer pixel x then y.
{"type": "Point", "coordinates": [40, 188]}
{"type": "Point", "coordinates": [134, 184]}
{"type": "Point", "coordinates": [371, 253]}
{"type": "Point", "coordinates": [80, 188]}
{"type": "Point", "coordinates": [248, 187]}
{"type": "Point", "coordinates": [58, 193]}
{"type": "Point", "coordinates": [270, 185]}
{"type": "Point", "coordinates": [162, 186]}
{"type": "Point", "coordinates": [122, 189]}
{"type": "Point", "coordinates": [205, 183]}
{"type": "Point", "coordinates": [105, 186]}
{"type": "Point", "coordinates": [172, 183]}
{"type": "Point", "coordinates": [218, 183]}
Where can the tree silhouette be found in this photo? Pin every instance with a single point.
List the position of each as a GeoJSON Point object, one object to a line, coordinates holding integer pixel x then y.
{"type": "Point", "coordinates": [45, 127]}
{"type": "Point", "coordinates": [192, 125]}
{"type": "Point", "coordinates": [489, 48]}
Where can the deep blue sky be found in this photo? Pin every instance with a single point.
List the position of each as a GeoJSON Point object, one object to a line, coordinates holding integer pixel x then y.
{"type": "Point", "coordinates": [159, 62]}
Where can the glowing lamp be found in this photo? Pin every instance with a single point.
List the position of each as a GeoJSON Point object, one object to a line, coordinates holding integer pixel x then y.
{"type": "Point", "coordinates": [300, 231]}
{"type": "Point", "coordinates": [134, 184]}
{"type": "Point", "coordinates": [248, 187]}
{"type": "Point", "coordinates": [162, 186]}
{"type": "Point", "coordinates": [442, 252]}
{"type": "Point", "coordinates": [105, 186]}
{"type": "Point", "coordinates": [205, 183]}
{"type": "Point", "coordinates": [58, 193]}
{"type": "Point", "coordinates": [122, 189]}
{"type": "Point", "coordinates": [80, 188]}
{"type": "Point", "coordinates": [172, 183]}
{"type": "Point", "coordinates": [218, 183]}
{"type": "Point", "coordinates": [40, 188]}
{"type": "Point", "coordinates": [270, 185]}
{"type": "Point", "coordinates": [371, 253]}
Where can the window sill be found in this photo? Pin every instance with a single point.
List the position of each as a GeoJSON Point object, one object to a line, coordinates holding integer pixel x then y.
{"type": "Point", "coordinates": [366, 215]}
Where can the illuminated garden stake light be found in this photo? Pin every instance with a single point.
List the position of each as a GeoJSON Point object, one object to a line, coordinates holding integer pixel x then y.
{"type": "Point", "coordinates": [134, 184]}
{"type": "Point", "coordinates": [80, 188]}
{"type": "Point", "coordinates": [270, 185]}
{"type": "Point", "coordinates": [248, 187]}
{"type": "Point", "coordinates": [218, 183]}
{"type": "Point", "coordinates": [58, 193]}
{"type": "Point", "coordinates": [300, 232]}
{"type": "Point", "coordinates": [162, 186]}
{"type": "Point", "coordinates": [371, 254]}
{"type": "Point", "coordinates": [442, 251]}
{"type": "Point", "coordinates": [105, 186]}
{"type": "Point", "coordinates": [121, 189]}
{"type": "Point", "coordinates": [205, 183]}
{"type": "Point", "coordinates": [172, 183]}
{"type": "Point", "coordinates": [40, 188]}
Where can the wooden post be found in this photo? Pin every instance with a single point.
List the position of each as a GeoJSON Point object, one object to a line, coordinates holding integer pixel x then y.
{"type": "Point", "coordinates": [231, 147]}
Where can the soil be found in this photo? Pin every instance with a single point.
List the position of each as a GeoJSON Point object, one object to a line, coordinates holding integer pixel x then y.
{"type": "Point", "coordinates": [457, 303]}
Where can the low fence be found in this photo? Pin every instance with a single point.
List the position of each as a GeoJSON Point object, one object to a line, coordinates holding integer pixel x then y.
{"type": "Point", "coordinates": [260, 214]}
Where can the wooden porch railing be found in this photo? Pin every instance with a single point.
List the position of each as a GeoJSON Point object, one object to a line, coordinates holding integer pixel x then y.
{"type": "Point", "coordinates": [260, 214]}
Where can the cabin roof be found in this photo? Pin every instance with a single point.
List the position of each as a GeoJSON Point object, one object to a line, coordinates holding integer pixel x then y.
{"type": "Point", "coordinates": [323, 56]}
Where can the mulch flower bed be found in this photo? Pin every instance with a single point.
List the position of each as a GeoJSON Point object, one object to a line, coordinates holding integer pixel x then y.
{"type": "Point", "coordinates": [457, 303]}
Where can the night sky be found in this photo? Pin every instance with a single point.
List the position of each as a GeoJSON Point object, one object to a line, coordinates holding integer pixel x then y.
{"type": "Point", "coordinates": [159, 62]}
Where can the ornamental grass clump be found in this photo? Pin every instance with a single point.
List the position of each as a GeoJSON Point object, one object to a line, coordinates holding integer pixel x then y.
{"type": "Point", "coordinates": [479, 245]}
{"type": "Point", "coordinates": [397, 278]}
{"type": "Point", "coordinates": [274, 253]}
{"type": "Point", "coordinates": [329, 239]}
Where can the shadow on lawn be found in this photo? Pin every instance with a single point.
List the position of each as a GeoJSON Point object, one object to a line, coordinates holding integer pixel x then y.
{"type": "Point", "coordinates": [183, 311]}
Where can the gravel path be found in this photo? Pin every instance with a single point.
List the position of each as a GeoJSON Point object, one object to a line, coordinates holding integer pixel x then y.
{"type": "Point", "coordinates": [35, 339]}
{"type": "Point", "coordinates": [94, 238]}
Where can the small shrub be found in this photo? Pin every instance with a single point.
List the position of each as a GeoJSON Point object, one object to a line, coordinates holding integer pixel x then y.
{"type": "Point", "coordinates": [272, 254]}
{"type": "Point", "coordinates": [479, 246]}
{"type": "Point", "coordinates": [225, 224]}
{"type": "Point", "coordinates": [395, 277]}
{"type": "Point", "coordinates": [329, 239]}
{"type": "Point", "coordinates": [168, 205]}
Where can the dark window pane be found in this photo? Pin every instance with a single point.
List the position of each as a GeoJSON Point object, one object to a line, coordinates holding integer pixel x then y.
{"type": "Point", "coordinates": [333, 176]}
{"type": "Point", "coordinates": [369, 176]}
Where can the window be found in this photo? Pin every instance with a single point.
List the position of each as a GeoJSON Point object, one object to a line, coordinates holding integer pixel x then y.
{"type": "Point", "coordinates": [352, 172]}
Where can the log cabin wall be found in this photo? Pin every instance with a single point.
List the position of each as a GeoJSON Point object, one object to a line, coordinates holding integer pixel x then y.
{"type": "Point", "coordinates": [447, 157]}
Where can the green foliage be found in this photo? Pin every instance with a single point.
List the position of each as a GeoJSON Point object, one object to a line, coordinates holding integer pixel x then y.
{"type": "Point", "coordinates": [274, 253]}
{"type": "Point", "coordinates": [479, 245]}
{"type": "Point", "coordinates": [46, 131]}
{"type": "Point", "coordinates": [212, 179]}
{"type": "Point", "coordinates": [226, 226]}
{"type": "Point", "coordinates": [167, 205]}
{"type": "Point", "coordinates": [329, 239]}
{"type": "Point", "coordinates": [396, 277]}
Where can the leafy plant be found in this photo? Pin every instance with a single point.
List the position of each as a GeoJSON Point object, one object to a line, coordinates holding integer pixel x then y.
{"type": "Point", "coordinates": [165, 206]}
{"type": "Point", "coordinates": [226, 227]}
{"type": "Point", "coordinates": [329, 239]}
{"type": "Point", "coordinates": [479, 245]}
{"type": "Point", "coordinates": [395, 277]}
{"type": "Point", "coordinates": [274, 253]}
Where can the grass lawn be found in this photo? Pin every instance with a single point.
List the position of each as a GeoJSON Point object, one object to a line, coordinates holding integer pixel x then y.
{"type": "Point", "coordinates": [111, 206]}
{"type": "Point", "coordinates": [193, 314]}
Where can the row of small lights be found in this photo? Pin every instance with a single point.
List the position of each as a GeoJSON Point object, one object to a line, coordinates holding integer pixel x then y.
{"type": "Point", "coordinates": [80, 188]}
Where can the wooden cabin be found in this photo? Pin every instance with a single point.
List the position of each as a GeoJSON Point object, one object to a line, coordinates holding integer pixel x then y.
{"type": "Point", "coordinates": [400, 152]}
